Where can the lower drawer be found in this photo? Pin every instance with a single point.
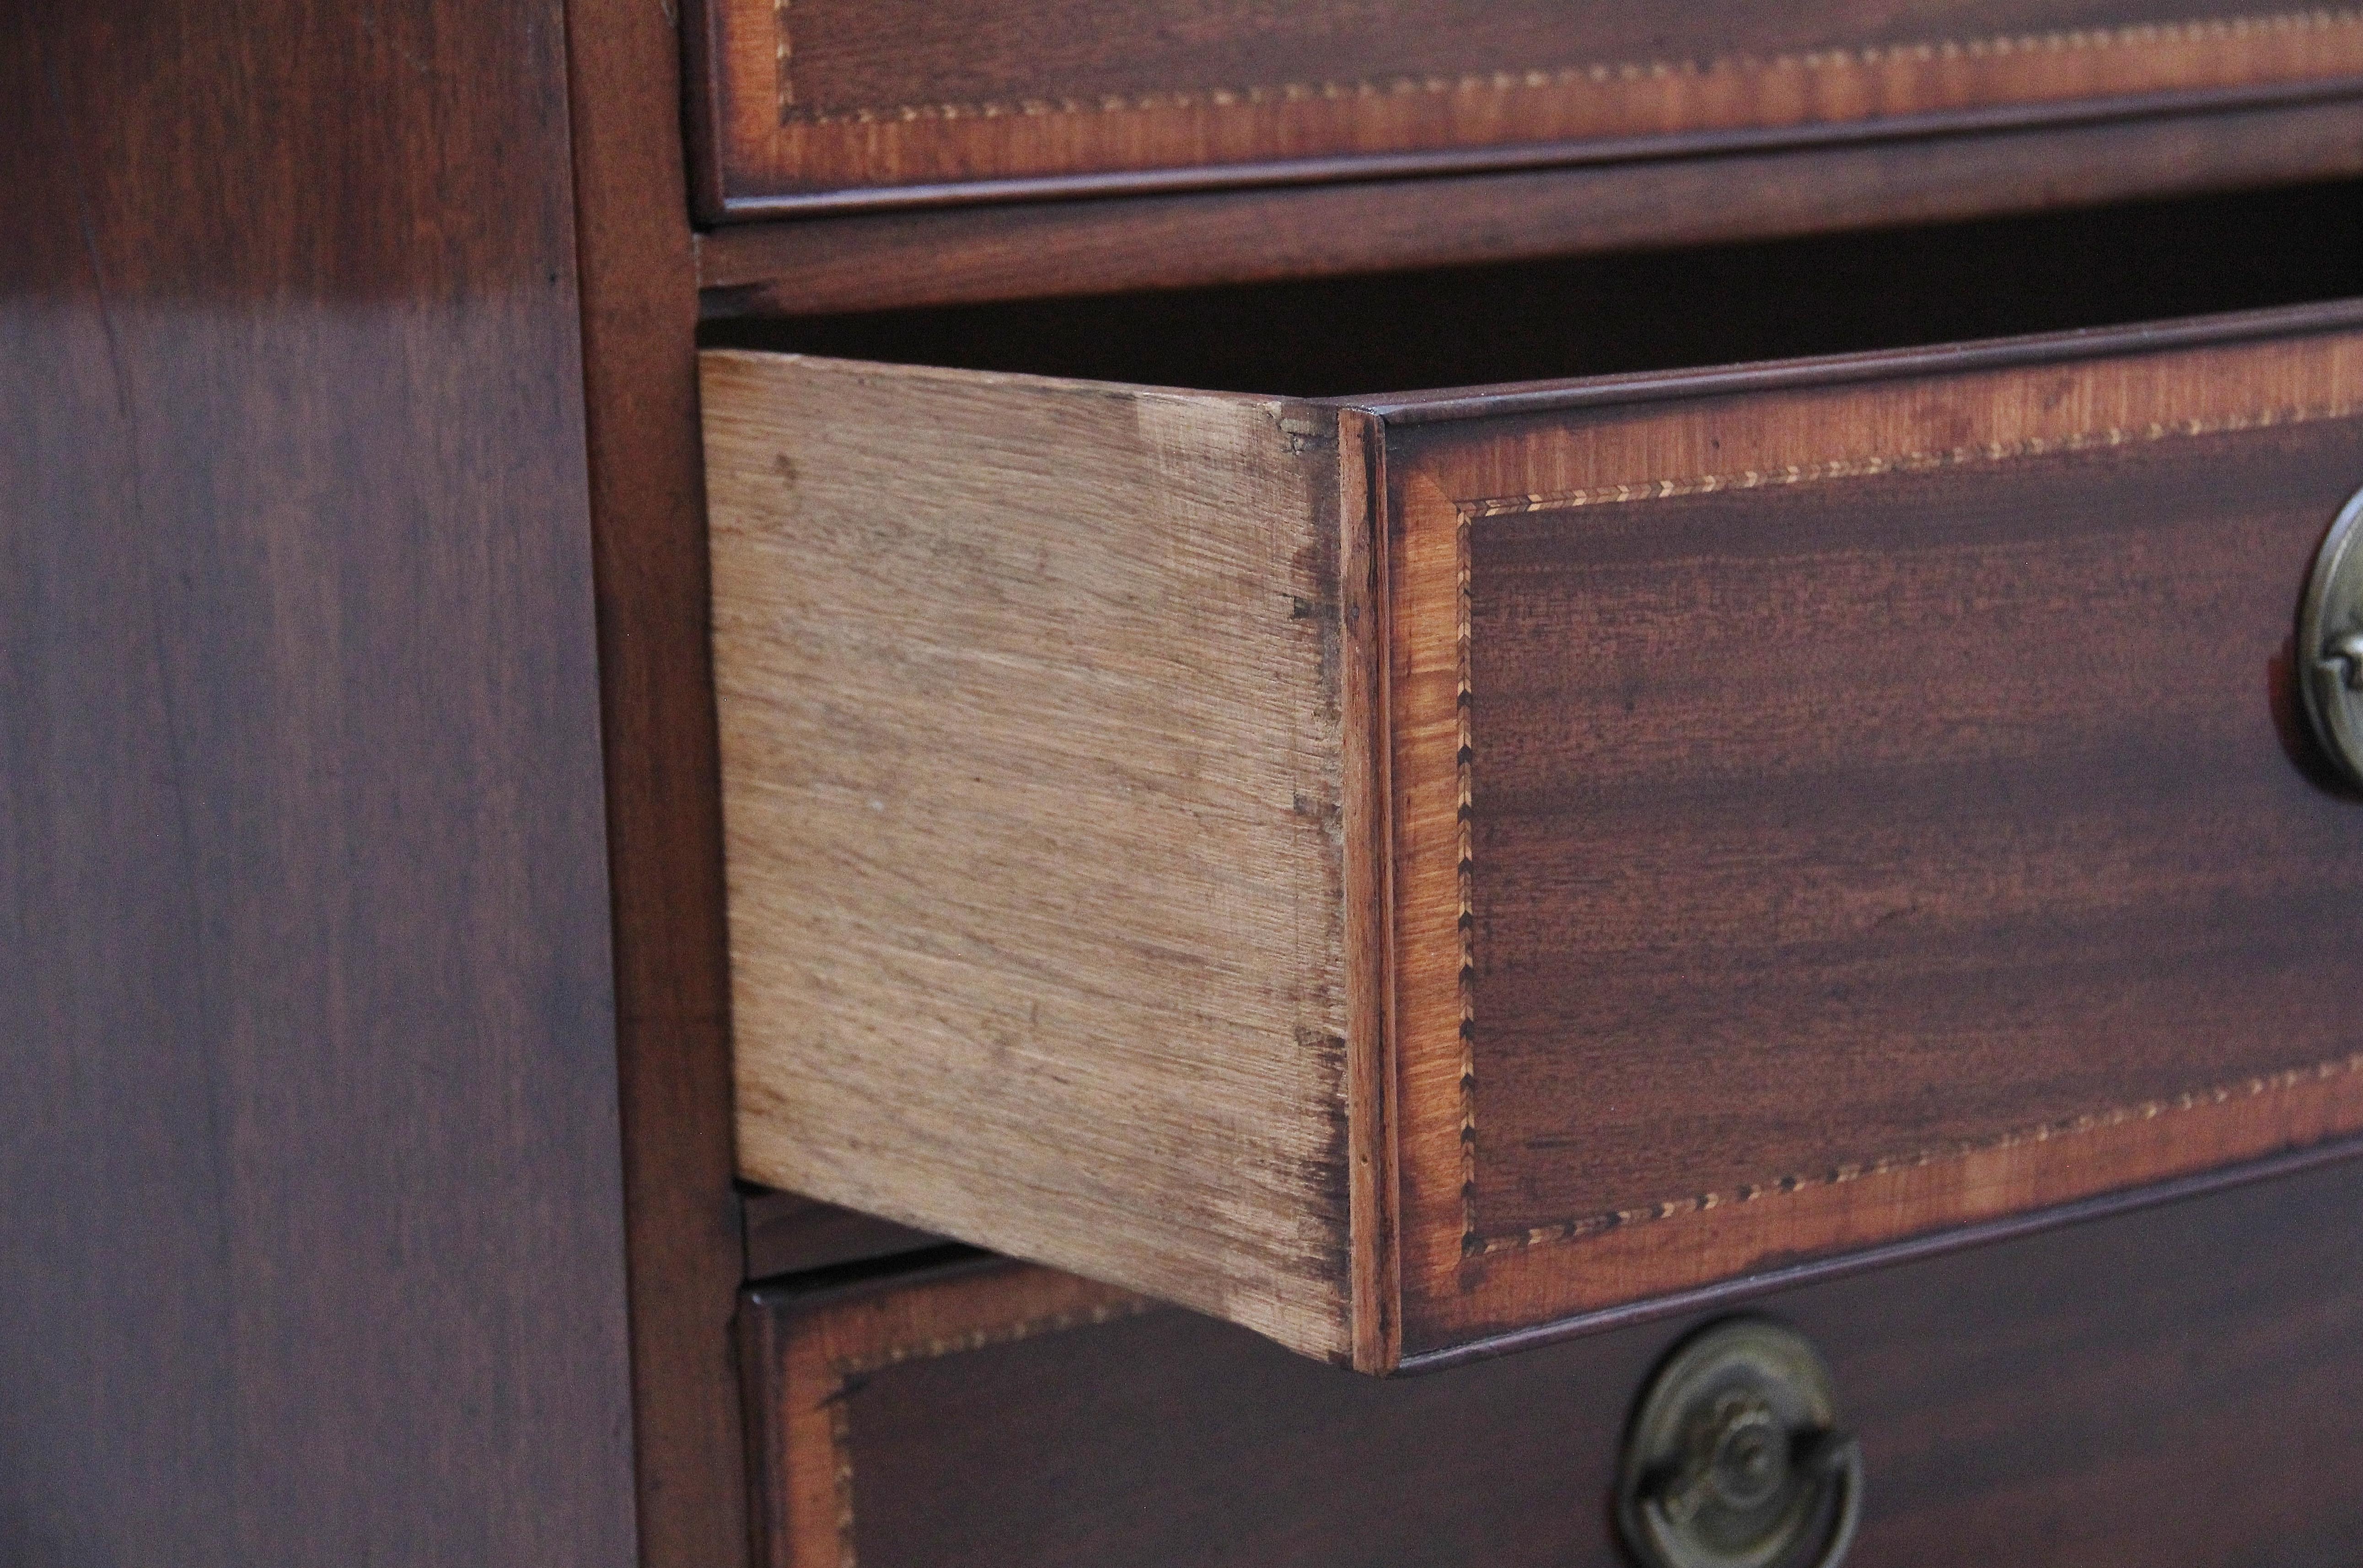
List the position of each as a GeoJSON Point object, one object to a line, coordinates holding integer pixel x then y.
{"type": "Point", "coordinates": [2173, 1386]}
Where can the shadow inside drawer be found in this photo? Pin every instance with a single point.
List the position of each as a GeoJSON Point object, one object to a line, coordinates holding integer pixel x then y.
{"type": "Point", "coordinates": [1603, 314]}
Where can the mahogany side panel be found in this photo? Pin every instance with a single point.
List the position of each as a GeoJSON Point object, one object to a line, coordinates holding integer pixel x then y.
{"type": "Point", "coordinates": [833, 104]}
{"type": "Point", "coordinates": [1828, 815]}
{"type": "Point", "coordinates": [307, 1084]}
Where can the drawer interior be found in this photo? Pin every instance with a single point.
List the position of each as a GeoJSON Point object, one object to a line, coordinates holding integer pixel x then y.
{"type": "Point", "coordinates": [1608, 315]}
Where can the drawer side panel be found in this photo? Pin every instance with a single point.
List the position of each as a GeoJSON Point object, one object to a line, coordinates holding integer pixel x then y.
{"type": "Point", "coordinates": [1032, 776]}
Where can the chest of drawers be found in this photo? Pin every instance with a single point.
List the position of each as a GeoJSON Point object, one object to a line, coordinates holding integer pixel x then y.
{"type": "Point", "coordinates": [778, 791]}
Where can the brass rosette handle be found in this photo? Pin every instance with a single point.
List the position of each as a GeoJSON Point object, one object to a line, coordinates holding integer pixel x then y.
{"type": "Point", "coordinates": [1734, 1459]}
{"type": "Point", "coordinates": [2330, 642]}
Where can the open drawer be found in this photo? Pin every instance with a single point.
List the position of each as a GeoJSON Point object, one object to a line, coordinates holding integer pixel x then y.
{"type": "Point", "coordinates": [1401, 872]}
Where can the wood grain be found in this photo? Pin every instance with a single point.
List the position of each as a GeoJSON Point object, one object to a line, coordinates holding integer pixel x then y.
{"type": "Point", "coordinates": [307, 1099]}
{"type": "Point", "coordinates": [2167, 1386]}
{"type": "Point", "coordinates": [1032, 778]}
{"type": "Point", "coordinates": [828, 104]}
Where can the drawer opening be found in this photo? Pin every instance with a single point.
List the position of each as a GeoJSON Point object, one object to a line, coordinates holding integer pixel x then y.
{"type": "Point", "coordinates": [1608, 315]}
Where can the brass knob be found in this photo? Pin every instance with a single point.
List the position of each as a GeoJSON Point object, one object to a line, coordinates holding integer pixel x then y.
{"type": "Point", "coordinates": [1734, 1459]}
{"type": "Point", "coordinates": [2330, 643]}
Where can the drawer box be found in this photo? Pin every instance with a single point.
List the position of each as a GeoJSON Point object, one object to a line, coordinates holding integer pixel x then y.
{"type": "Point", "coordinates": [1402, 873]}
{"type": "Point", "coordinates": [831, 103]}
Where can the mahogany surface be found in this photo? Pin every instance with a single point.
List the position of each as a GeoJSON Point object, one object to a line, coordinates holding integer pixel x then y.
{"type": "Point", "coordinates": [2172, 1386]}
{"type": "Point", "coordinates": [2032, 809]}
{"type": "Point", "coordinates": [307, 1088]}
{"type": "Point", "coordinates": [1897, 747]}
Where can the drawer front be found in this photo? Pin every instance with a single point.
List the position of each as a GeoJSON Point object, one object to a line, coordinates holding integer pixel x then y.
{"type": "Point", "coordinates": [834, 100]}
{"type": "Point", "coordinates": [2171, 1388]}
{"type": "Point", "coordinates": [1830, 813]}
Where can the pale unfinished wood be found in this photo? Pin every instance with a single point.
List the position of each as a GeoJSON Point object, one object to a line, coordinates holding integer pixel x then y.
{"type": "Point", "coordinates": [1032, 762]}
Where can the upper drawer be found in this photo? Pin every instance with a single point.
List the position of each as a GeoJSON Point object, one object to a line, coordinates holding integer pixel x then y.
{"type": "Point", "coordinates": [1398, 871]}
{"type": "Point", "coordinates": [824, 100]}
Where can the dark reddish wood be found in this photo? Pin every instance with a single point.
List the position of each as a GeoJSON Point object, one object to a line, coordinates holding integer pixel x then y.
{"type": "Point", "coordinates": [2029, 717]}
{"type": "Point", "coordinates": [648, 543]}
{"type": "Point", "coordinates": [308, 1107]}
{"type": "Point", "coordinates": [2170, 1387]}
{"type": "Point", "coordinates": [787, 1234]}
{"type": "Point", "coordinates": [828, 104]}
{"type": "Point", "coordinates": [881, 55]}
{"type": "Point", "coordinates": [881, 261]}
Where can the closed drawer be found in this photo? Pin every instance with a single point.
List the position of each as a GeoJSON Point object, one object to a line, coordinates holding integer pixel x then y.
{"type": "Point", "coordinates": [1403, 872]}
{"type": "Point", "coordinates": [2171, 1389]}
{"type": "Point", "coordinates": [846, 102]}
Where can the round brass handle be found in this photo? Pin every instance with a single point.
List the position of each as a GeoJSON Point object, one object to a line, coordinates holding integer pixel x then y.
{"type": "Point", "coordinates": [2330, 642]}
{"type": "Point", "coordinates": [1734, 1459]}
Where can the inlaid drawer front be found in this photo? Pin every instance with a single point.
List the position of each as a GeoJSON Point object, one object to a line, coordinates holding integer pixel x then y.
{"type": "Point", "coordinates": [1828, 812]}
{"type": "Point", "coordinates": [2172, 1387]}
{"type": "Point", "coordinates": [826, 100]}
{"type": "Point", "coordinates": [1400, 873]}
